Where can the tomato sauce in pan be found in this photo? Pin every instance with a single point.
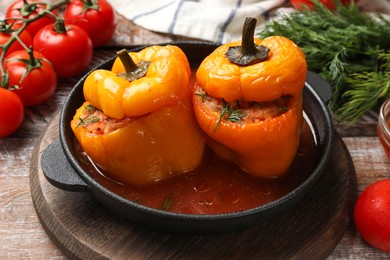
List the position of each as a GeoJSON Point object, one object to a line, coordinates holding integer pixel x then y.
{"type": "Point", "coordinates": [216, 186]}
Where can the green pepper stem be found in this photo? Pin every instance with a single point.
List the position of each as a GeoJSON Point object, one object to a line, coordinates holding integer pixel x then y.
{"type": "Point", "coordinates": [247, 42]}
{"type": "Point", "coordinates": [127, 61]}
{"type": "Point", "coordinates": [249, 52]}
{"type": "Point", "coordinates": [132, 71]}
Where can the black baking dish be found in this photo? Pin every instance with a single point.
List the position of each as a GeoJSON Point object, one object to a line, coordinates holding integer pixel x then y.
{"type": "Point", "coordinates": [62, 169]}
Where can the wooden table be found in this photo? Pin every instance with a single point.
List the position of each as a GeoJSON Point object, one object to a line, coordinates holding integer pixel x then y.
{"type": "Point", "coordinates": [21, 234]}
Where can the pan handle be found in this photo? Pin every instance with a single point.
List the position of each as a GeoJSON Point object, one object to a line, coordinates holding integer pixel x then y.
{"type": "Point", "coordinates": [320, 86]}
{"type": "Point", "coordinates": [58, 171]}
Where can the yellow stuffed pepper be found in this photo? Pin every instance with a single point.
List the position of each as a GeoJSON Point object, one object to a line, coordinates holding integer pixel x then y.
{"type": "Point", "coordinates": [137, 123]}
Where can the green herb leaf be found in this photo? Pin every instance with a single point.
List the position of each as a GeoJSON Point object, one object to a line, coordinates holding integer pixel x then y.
{"type": "Point", "coordinates": [230, 113]}
{"type": "Point", "coordinates": [90, 109]}
{"type": "Point", "coordinates": [346, 47]}
{"type": "Point", "coordinates": [283, 108]}
{"type": "Point", "coordinates": [88, 120]}
{"type": "Point", "coordinates": [221, 197]}
{"type": "Point", "coordinates": [94, 119]}
{"type": "Point", "coordinates": [167, 203]}
{"type": "Point", "coordinates": [204, 96]}
{"type": "Point", "coordinates": [82, 122]}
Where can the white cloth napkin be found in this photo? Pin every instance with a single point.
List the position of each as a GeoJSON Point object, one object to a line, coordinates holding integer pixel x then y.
{"type": "Point", "coordinates": [213, 20]}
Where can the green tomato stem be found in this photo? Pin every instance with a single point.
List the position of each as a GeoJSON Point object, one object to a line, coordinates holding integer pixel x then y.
{"type": "Point", "coordinates": [27, 8]}
{"type": "Point", "coordinates": [59, 26]}
{"type": "Point", "coordinates": [89, 4]}
{"type": "Point", "coordinates": [27, 48]}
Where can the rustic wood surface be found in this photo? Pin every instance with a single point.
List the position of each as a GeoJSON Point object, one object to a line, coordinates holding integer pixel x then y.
{"type": "Point", "coordinates": [21, 234]}
{"type": "Point", "coordinates": [84, 229]}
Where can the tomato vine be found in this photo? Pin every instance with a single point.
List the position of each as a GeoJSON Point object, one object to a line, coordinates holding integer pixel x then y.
{"type": "Point", "coordinates": [25, 10]}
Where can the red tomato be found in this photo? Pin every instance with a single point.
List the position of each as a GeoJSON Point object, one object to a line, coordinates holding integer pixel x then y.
{"type": "Point", "coordinates": [38, 84]}
{"type": "Point", "coordinates": [299, 4]}
{"type": "Point", "coordinates": [372, 215]}
{"type": "Point", "coordinates": [70, 51]}
{"type": "Point", "coordinates": [96, 17]}
{"type": "Point", "coordinates": [6, 34]}
{"type": "Point", "coordinates": [11, 112]}
{"type": "Point", "coordinates": [19, 10]}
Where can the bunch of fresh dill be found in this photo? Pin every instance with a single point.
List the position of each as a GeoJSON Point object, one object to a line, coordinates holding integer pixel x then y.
{"type": "Point", "coordinates": [348, 48]}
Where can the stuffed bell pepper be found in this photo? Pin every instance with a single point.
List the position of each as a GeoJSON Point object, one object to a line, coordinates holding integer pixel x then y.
{"type": "Point", "coordinates": [137, 123]}
{"type": "Point", "coordinates": [248, 100]}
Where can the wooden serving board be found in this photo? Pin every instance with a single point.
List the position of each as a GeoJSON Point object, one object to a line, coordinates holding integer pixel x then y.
{"type": "Point", "coordinates": [83, 228]}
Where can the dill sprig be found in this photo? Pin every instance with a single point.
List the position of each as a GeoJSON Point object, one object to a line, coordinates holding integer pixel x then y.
{"type": "Point", "coordinates": [366, 89]}
{"type": "Point", "coordinates": [203, 96]}
{"type": "Point", "coordinates": [233, 115]}
{"type": "Point", "coordinates": [346, 47]}
{"type": "Point", "coordinates": [89, 118]}
{"type": "Point", "coordinates": [167, 203]}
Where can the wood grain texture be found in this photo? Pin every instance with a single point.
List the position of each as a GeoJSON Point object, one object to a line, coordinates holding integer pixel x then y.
{"type": "Point", "coordinates": [82, 228]}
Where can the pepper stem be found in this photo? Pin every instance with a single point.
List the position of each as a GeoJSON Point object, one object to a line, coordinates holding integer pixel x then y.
{"type": "Point", "coordinates": [247, 42]}
{"type": "Point", "coordinates": [248, 53]}
{"type": "Point", "coordinates": [132, 71]}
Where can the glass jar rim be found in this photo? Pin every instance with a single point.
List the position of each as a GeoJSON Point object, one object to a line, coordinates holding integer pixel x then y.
{"type": "Point", "coordinates": [383, 112]}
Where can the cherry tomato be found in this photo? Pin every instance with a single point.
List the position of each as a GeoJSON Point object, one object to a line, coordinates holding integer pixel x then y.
{"type": "Point", "coordinates": [96, 17]}
{"type": "Point", "coordinates": [299, 4]}
{"type": "Point", "coordinates": [68, 49]}
{"type": "Point", "coordinates": [11, 112]}
{"type": "Point", "coordinates": [36, 86]}
{"type": "Point", "coordinates": [24, 9]}
{"type": "Point", "coordinates": [6, 34]}
{"type": "Point", "coordinates": [372, 215]}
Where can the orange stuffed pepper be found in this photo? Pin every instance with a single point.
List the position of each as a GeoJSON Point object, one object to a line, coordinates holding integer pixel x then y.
{"type": "Point", "coordinates": [137, 123]}
{"type": "Point", "coordinates": [248, 100]}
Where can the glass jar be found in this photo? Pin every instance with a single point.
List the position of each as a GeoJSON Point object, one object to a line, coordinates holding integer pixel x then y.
{"type": "Point", "coordinates": [383, 126]}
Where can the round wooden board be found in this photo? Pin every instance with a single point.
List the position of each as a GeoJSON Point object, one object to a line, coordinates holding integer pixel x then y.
{"type": "Point", "coordinates": [83, 228]}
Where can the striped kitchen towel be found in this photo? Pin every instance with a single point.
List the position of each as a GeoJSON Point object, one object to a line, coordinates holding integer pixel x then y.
{"type": "Point", "coordinates": [213, 20]}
